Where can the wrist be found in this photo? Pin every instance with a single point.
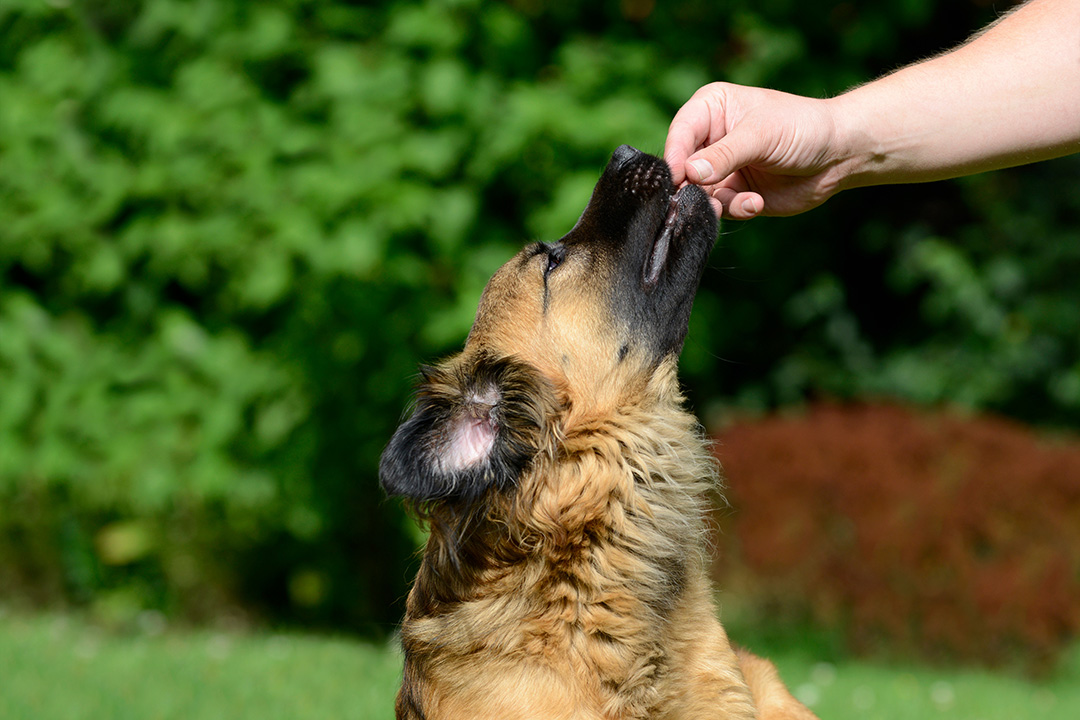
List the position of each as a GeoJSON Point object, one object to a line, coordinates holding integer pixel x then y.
{"type": "Point", "coordinates": [860, 157]}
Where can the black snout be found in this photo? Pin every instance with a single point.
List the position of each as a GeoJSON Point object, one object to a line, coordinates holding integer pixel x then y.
{"type": "Point", "coordinates": [654, 242]}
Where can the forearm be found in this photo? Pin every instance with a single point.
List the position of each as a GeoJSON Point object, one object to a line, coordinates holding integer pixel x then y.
{"type": "Point", "coordinates": [1010, 96]}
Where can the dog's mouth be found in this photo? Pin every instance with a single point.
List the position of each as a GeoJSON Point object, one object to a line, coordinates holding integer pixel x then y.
{"type": "Point", "coordinates": [654, 239]}
{"type": "Point", "coordinates": [666, 236]}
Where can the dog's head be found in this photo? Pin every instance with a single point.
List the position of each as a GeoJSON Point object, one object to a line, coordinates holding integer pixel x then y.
{"type": "Point", "coordinates": [566, 332]}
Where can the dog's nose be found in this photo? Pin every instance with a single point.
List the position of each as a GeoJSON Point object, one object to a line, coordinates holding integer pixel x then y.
{"type": "Point", "coordinates": [622, 155]}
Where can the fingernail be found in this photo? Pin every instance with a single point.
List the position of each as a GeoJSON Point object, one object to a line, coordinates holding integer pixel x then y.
{"type": "Point", "coordinates": [748, 207]}
{"type": "Point", "coordinates": [702, 167]}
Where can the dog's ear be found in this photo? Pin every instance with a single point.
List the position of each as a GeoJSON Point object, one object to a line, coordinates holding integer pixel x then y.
{"type": "Point", "coordinates": [477, 425]}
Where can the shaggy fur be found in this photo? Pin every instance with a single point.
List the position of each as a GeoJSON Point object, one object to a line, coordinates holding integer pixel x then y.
{"type": "Point", "coordinates": [565, 486]}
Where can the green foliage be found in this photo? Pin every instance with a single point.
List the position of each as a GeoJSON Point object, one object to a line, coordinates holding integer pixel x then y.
{"type": "Point", "coordinates": [229, 231]}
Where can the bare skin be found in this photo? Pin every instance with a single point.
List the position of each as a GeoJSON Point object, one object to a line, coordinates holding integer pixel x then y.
{"type": "Point", "coordinates": [1009, 96]}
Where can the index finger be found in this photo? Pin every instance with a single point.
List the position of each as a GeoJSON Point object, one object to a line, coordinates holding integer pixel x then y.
{"type": "Point", "coordinates": [688, 131]}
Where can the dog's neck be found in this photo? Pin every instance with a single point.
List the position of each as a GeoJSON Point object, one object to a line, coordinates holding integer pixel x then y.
{"type": "Point", "coordinates": [635, 484]}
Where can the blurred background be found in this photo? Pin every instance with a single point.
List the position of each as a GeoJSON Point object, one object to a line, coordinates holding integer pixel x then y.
{"type": "Point", "coordinates": [230, 231]}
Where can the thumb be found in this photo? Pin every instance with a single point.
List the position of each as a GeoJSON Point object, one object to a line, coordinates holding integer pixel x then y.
{"type": "Point", "coordinates": [729, 154]}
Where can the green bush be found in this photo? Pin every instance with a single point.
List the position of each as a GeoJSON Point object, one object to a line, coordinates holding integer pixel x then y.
{"type": "Point", "coordinates": [229, 231]}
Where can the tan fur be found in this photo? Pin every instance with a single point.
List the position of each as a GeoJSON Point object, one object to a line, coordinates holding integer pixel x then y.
{"type": "Point", "coordinates": [583, 594]}
{"type": "Point", "coordinates": [771, 696]}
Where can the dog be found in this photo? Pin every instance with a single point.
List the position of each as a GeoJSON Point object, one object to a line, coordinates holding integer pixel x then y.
{"type": "Point", "coordinates": [565, 486]}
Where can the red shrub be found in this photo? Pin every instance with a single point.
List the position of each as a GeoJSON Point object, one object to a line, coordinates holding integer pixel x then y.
{"type": "Point", "coordinates": [949, 536]}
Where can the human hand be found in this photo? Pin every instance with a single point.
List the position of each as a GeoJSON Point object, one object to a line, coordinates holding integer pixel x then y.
{"type": "Point", "coordinates": [756, 151]}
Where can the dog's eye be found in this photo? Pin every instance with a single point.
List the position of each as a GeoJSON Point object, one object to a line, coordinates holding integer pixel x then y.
{"type": "Point", "coordinates": [555, 255]}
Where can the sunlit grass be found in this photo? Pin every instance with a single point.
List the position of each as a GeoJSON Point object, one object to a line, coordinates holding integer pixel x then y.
{"type": "Point", "coordinates": [853, 689]}
{"type": "Point", "coordinates": [58, 667]}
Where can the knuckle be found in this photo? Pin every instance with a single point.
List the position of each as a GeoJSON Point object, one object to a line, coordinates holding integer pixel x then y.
{"type": "Point", "coordinates": [722, 157]}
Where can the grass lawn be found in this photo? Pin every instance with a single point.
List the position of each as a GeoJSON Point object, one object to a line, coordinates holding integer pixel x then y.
{"type": "Point", "coordinates": [871, 691]}
{"type": "Point", "coordinates": [56, 667]}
